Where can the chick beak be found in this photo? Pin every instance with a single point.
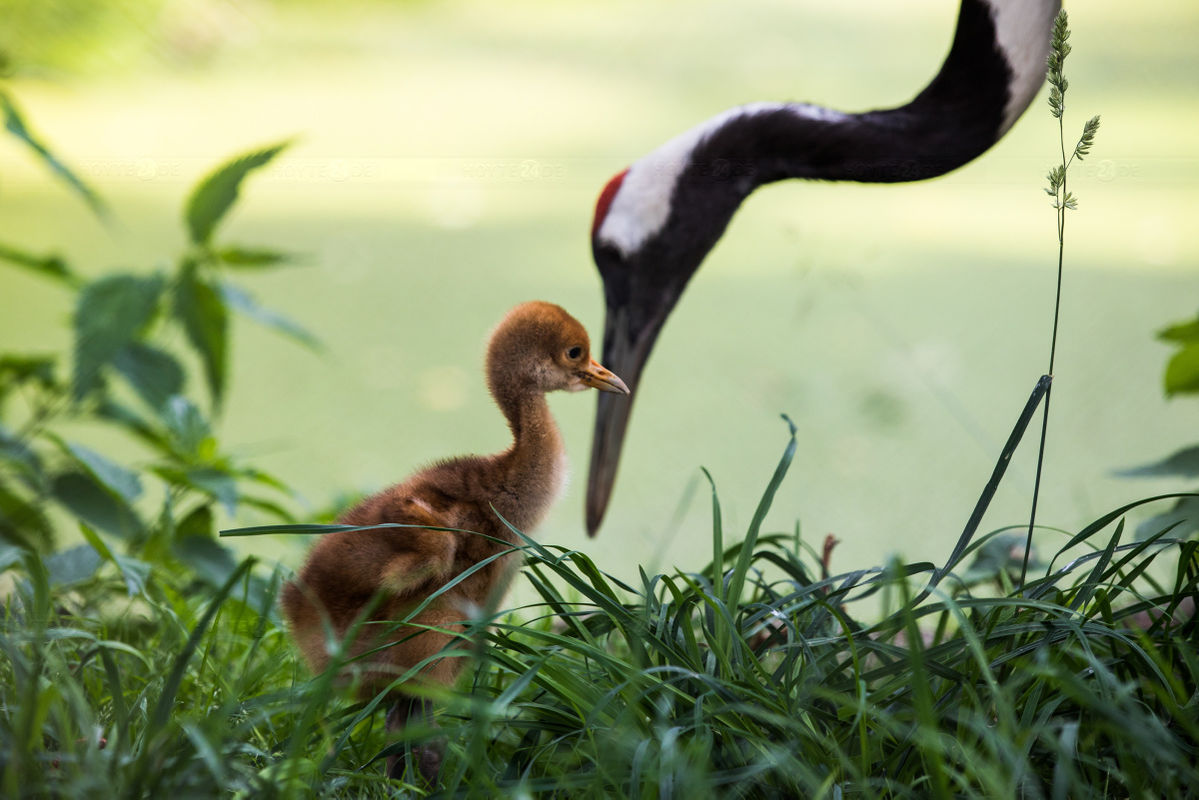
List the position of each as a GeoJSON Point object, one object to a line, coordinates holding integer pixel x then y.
{"type": "Point", "coordinates": [597, 376]}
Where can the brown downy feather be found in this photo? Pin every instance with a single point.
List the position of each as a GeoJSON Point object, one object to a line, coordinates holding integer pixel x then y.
{"type": "Point", "coordinates": [536, 348]}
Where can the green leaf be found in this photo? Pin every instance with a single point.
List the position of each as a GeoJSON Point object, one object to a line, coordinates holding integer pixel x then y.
{"type": "Point", "coordinates": [118, 414]}
{"type": "Point", "coordinates": [153, 374]}
{"type": "Point", "coordinates": [49, 266]}
{"type": "Point", "coordinates": [15, 124]}
{"type": "Point", "coordinates": [22, 458]}
{"type": "Point", "coordinates": [122, 482]}
{"type": "Point", "coordinates": [211, 560]}
{"type": "Point", "coordinates": [91, 502]}
{"type": "Point", "coordinates": [269, 506]}
{"type": "Point", "coordinates": [28, 369]}
{"type": "Point", "coordinates": [253, 258]}
{"type": "Point", "coordinates": [198, 523]}
{"type": "Point", "coordinates": [1184, 516]}
{"type": "Point", "coordinates": [23, 521]}
{"type": "Point", "coordinates": [134, 571]}
{"type": "Point", "coordinates": [266, 479]}
{"type": "Point", "coordinates": [237, 299]}
{"type": "Point", "coordinates": [38, 371]}
{"type": "Point", "coordinates": [199, 307]}
{"type": "Point", "coordinates": [72, 566]}
{"type": "Point", "coordinates": [1182, 371]}
{"type": "Point", "coordinates": [1183, 463]}
{"type": "Point", "coordinates": [1185, 332]}
{"type": "Point", "coordinates": [96, 542]}
{"type": "Point", "coordinates": [999, 554]}
{"type": "Point", "coordinates": [189, 431]}
{"type": "Point", "coordinates": [212, 199]}
{"type": "Point", "coordinates": [10, 556]}
{"type": "Point", "coordinates": [216, 483]}
{"type": "Point", "coordinates": [111, 313]}
{"type": "Point", "coordinates": [220, 485]}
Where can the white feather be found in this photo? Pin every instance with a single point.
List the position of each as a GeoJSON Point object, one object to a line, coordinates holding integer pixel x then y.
{"type": "Point", "coordinates": [642, 205]}
{"type": "Point", "coordinates": [1022, 28]}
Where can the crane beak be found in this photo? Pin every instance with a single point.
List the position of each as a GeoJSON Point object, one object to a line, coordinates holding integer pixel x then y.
{"type": "Point", "coordinates": [627, 344]}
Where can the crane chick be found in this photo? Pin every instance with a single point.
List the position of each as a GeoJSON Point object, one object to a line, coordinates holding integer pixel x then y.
{"type": "Point", "coordinates": [536, 348]}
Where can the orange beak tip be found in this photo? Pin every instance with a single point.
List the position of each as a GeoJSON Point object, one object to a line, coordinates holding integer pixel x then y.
{"type": "Point", "coordinates": [600, 377]}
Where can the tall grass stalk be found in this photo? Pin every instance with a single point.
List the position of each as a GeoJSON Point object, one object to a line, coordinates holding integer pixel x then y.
{"type": "Point", "coordinates": [1063, 201]}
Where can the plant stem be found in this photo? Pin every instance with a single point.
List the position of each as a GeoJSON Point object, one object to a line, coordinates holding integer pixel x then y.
{"type": "Point", "coordinates": [1060, 198]}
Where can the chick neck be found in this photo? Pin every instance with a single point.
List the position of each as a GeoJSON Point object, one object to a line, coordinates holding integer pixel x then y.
{"type": "Point", "coordinates": [531, 470]}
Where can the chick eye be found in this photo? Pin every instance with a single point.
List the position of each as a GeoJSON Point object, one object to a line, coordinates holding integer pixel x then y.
{"type": "Point", "coordinates": [574, 352]}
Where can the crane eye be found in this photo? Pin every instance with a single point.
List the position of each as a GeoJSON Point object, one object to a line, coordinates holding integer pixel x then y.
{"type": "Point", "coordinates": [574, 352]}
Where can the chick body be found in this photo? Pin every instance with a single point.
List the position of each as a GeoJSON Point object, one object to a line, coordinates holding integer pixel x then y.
{"type": "Point", "coordinates": [535, 349]}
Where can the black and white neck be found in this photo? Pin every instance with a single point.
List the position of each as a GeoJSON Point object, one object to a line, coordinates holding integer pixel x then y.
{"type": "Point", "coordinates": [656, 221]}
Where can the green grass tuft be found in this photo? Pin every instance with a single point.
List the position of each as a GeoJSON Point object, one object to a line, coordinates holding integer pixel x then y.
{"type": "Point", "coordinates": [753, 677]}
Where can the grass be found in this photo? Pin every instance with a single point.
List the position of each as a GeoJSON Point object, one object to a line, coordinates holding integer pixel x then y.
{"type": "Point", "coordinates": [757, 676]}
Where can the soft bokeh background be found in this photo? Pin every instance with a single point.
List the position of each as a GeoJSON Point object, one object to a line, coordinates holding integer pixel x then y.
{"type": "Point", "coordinates": [447, 158]}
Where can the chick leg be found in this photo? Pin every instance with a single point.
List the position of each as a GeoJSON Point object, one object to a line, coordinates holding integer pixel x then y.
{"type": "Point", "coordinates": [427, 756]}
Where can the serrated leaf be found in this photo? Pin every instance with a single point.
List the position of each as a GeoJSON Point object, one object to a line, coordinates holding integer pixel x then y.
{"type": "Point", "coordinates": [1182, 371]}
{"type": "Point", "coordinates": [1183, 463]}
{"type": "Point", "coordinates": [123, 482]}
{"type": "Point", "coordinates": [205, 319]}
{"type": "Point", "coordinates": [131, 421]}
{"type": "Point", "coordinates": [253, 258]}
{"type": "Point", "coordinates": [217, 193]}
{"type": "Point", "coordinates": [111, 313]}
{"type": "Point", "coordinates": [14, 123]}
{"type": "Point", "coordinates": [153, 374]}
{"type": "Point", "coordinates": [239, 300]}
{"type": "Point", "coordinates": [91, 502]}
{"type": "Point", "coordinates": [51, 266]}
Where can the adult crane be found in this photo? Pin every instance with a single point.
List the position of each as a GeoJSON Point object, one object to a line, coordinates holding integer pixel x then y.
{"type": "Point", "coordinates": [656, 221]}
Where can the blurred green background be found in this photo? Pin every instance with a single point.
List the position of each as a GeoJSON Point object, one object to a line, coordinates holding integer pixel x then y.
{"type": "Point", "coordinates": [447, 159]}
